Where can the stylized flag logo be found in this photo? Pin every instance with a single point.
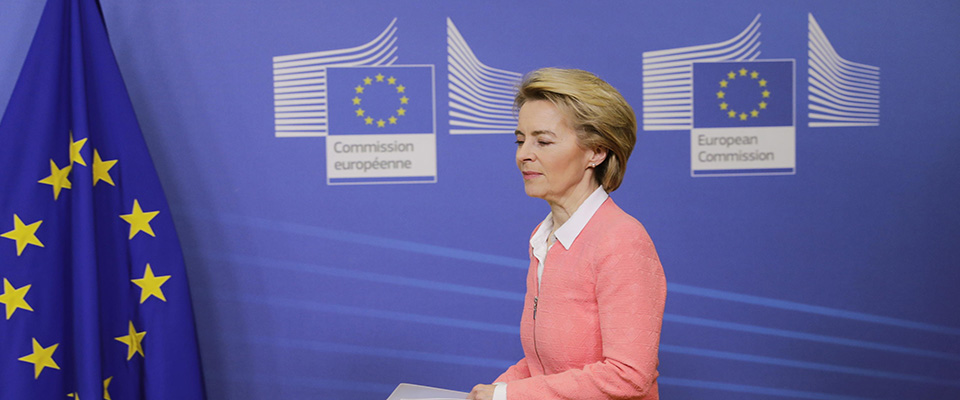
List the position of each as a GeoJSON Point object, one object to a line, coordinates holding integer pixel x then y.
{"type": "Point", "coordinates": [481, 97]}
{"type": "Point", "coordinates": [842, 93]}
{"type": "Point", "coordinates": [667, 77]}
{"type": "Point", "coordinates": [737, 94]}
{"type": "Point", "coordinates": [300, 82]}
{"type": "Point", "coordinates": [379, 118]}
{"type": "Point", "coordinates": [381, 100]}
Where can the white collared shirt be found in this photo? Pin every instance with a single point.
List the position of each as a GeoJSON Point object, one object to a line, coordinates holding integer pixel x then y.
{"type": "Point", "coordinates": [565, 234]}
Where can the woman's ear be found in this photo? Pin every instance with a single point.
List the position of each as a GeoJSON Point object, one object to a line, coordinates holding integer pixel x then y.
{"type": "Point", "coordinates": [599, 154]}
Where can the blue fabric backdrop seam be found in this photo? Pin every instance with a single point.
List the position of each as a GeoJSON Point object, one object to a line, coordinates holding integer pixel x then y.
{"type": "Point", "coordinates": [372, 313]}
{"type": "Point", "coordinates": [262, 262]}
{"type": "Point", "coordinates": [308, 382]}
{"type": "Point", "coordinates": [372, 351]}
{"type": "Point", "coordinates": [730, 387]}
{"type": "Point", "coordinates": [807, 336]}
{"type": "Point", "coordinates": [724, 355]}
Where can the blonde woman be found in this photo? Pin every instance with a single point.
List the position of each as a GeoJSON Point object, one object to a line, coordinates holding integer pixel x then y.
{"type": "Point", "coordinates": [595, 288]}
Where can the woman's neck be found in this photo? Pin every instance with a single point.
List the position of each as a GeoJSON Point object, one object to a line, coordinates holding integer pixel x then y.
{"type": "Point", "coordinates": [565, 207]}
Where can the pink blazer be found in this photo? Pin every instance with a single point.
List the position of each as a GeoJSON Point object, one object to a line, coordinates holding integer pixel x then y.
{"type": "Point", "coordinates": [599, 309]}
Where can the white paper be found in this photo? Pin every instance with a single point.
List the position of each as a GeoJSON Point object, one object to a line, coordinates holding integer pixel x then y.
{"type": "Point", "coordinates": [409, 391]}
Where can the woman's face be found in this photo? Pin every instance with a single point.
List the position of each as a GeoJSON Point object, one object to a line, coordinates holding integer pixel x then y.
{"type": "Point", "coordinates": [554, 165]}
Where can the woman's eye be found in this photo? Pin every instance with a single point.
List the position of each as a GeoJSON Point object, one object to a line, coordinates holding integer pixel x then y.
{"type": "Point", "coordinates": [543, 142]}
{"type": "Point", "coordinates": [519, 142]}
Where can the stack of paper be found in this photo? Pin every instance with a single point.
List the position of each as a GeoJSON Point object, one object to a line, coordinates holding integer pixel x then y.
{"type": "Point", "coordinates": [407, 391]}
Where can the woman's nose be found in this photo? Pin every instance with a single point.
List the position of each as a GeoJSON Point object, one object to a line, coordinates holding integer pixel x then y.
{"type": "Point", "coordinates": [525, 152]}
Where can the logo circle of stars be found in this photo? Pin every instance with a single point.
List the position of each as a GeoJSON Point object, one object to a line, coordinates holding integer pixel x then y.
{"type": "Point", "coordinates": [391, 82]}
{"type": "Point", "coordinates": [747, 76]}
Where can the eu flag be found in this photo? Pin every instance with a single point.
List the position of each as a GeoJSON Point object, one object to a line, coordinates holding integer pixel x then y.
{"type": "Point", "coordinates": [743, 94]}
{"type": "Point", "coordinates": [395, 99]}
{"type": "Point", "coordinates": [94, 299]}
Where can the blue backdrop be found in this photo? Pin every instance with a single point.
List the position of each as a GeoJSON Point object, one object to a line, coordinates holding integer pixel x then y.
{"type": "Point", "coordinates": [832, 278]}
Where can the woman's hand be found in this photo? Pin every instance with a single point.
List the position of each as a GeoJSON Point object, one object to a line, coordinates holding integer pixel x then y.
{"type": "Point", "coordinates": [481, 392]}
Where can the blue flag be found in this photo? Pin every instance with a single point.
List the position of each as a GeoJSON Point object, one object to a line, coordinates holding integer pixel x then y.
{"type": "Point", "coordinates": [94, 299]}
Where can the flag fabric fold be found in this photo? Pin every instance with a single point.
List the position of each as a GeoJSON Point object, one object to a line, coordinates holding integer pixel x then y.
{"type": "Point", "coordinates": [95, 299]}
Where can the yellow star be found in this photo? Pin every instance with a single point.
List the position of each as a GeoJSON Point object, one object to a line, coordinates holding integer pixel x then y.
{"type": "Point", "coordinates": [150, 285]}
{"type": "Point", "coordinates": [368, 120]}
{"type": "Point", "coordinates": [356, 100]}
{"type": "Point", "coordinates": [381, 123]}
{"type": "Point", "coordinates": [720, 94]}
{"type": "Point", "coordinates": [754, 75]}
{"type": "Point", "coordinates": [401, 88]}
{"type": "Point", "coordinates": [754, 113]}
{"type": "Point", "coordinates": [139, 221]}
{"type": "Point", "coordinates": [393, 120]}
{"type": "Point", "coordinates": [13, 297]}
{"type": "Point", "coordinates": [41, 358]}
{"type": "Point", "coordinates": [379, 77]}
{"type": "Point", "coordinates": [359, 89]}
{"type": "Point", "coordinates": [723, 106]}
{"type": "Point", "coordinates": [101, 169]}
{"type": "Point", "coordinates": [391, 80]}
{"type": "Point", "coordinates": [766, 93]}
{"type": "Point", "coordinates": [743, 72]}
{"type": "Point", "coordinates": [401, 112]}
{"type": "Point", "coordinates": [404, 100]}
{"type": "Point", "coordinates": [359, 112]}
{"type": "Point", "coordinates": [367, 81]}
{"type": "Point", "coordinates": [724, 83]}
{"type": "Point", "coordinates": [763, 105]}
{"type": "Point", "coordinates": [74, 395]}
{"type": "Point", "coordinates": [23, 234]}
{"type": "Point", "coordinates": [106, 386]}
{"type": "Point", "coordinates": [731, 113]}
{"type": "Point", "coordinates": [75, 148]}
{"type": "Point", "coordinates": [743, 116]}
{"type": "Point", "coordinates": [731, 75]}
{"type": "Point", "coordinates": [763, 83]}
{"type": "Point", "coordinates": [132, 340]}
{"type": "Point", "coordinates": [59, 178]}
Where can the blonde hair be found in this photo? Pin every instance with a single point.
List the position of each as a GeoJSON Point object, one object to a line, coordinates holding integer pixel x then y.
{"type": "Point", "coordinates": [597, 112]}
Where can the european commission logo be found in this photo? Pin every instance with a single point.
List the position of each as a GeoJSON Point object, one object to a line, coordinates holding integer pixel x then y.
{"type": "Point", "coordinates": [379, 117]}
{"type": "Point", "coordinates": [740, 108]}
{"type": "Point", "coordinates": [743, 118]}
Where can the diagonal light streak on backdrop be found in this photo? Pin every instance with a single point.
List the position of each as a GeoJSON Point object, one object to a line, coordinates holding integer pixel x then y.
{"type": "Point", "coordinates": [514, 330]}
{"type": "Point", "coordinates": [270, 263]}
{"type": "Point", "coordinates": [441, 251]}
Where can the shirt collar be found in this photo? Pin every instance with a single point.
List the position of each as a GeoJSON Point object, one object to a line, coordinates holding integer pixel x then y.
{"type": "Point", "coordinates": [569, 231]}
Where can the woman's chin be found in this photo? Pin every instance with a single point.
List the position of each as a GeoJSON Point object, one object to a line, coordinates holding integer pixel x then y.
{"type": "Point", "coordinates": [532, 190]}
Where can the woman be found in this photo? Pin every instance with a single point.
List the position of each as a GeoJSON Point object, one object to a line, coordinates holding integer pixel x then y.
{"type": "Point", "coordinates": [595, 289]}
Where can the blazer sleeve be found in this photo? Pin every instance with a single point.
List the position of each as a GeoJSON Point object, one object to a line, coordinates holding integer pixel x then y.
{"type": "Point", "coordinates": [631, 291]}
{"type": "Point", "coordinates": [519, 370]}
